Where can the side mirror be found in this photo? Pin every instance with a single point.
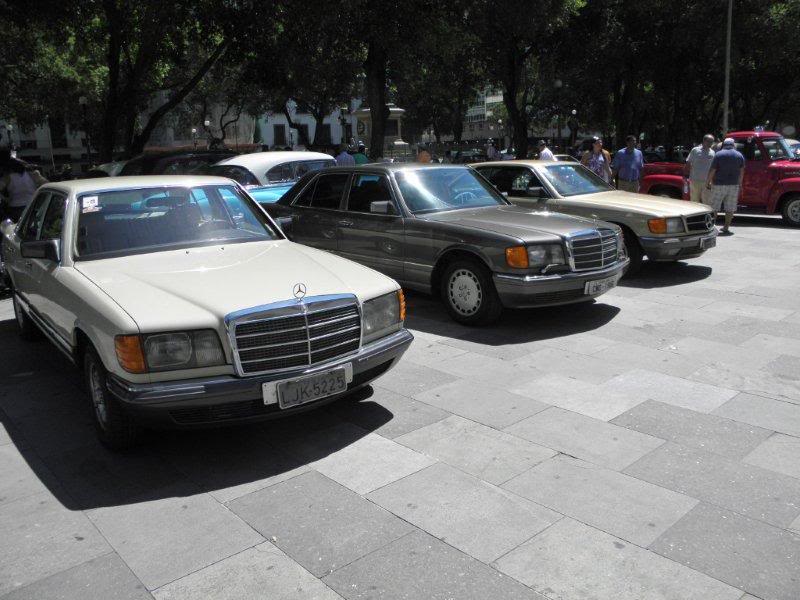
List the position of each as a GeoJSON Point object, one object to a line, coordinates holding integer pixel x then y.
{"type": "Point", "coordinates": [285, 223]}
{"type": "Point", "coordinates": [535, 192]}
{"type": "Point", "coordinates": [44, 249]}
{"type": "Point", "coordinates": [384, 207]}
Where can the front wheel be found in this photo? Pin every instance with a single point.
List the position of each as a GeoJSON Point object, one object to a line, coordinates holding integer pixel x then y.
{"type": "Point", "coordinates": [115, 429]}
{"type": "Point", "coordinates": [791, 211]}
{"type": "Point", "coordinates": [469, 294]}
{"type": "Point", "coordinates": [634, 250]}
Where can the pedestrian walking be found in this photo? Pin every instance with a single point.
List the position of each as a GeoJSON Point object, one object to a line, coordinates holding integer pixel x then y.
{"type": "Point", "coordinates": [360, 157]}
{"type": "Point", "coordinates": [493, 152]}
{"type": "Point", "coordinates": [725, 181]}
{"type": "Point", "coordinates": [698, 163]}
{"type": "Point", "coordinates": [628, 166]}
{"type": "Point", "coordinates": [544, 152]}
{"type": "Point", "coordinates": [598, 160]}
{"type": "Point", "coordinates": [344, 158]}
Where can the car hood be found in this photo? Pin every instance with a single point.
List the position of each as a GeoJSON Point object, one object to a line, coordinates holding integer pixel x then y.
{"type": "Point", "coordinates": [641, 203]}
{"type": "Point", "coordinates": [197, 287]}
{"type": "Point", "coordinates": [524, 223]}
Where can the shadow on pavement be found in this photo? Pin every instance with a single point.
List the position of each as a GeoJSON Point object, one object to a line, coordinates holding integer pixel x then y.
{"type": "Point", "coordinates": [46, 414]}
{"type": "Point", "coordinates": [747, 220]}
{"type": "Point", "coordinates": [665, 274]}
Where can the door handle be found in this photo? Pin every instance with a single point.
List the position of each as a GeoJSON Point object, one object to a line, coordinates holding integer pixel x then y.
{"type": "Point", "coordinates": [345, 223]}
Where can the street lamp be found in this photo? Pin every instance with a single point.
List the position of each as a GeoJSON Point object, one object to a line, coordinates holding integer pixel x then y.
{"type": "Point", "coordinates": [194, 137]}
{"type": "Point", "coordinates": [573, 127]}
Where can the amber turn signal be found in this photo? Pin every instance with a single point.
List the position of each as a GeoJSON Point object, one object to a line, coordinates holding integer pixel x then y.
{"type": "Point", "coordinates": [401, 298]}
{"type": "Point", "coordinates": [129, 353]}
{"type": "Point", "coordinates": [657, 225]}
{"type": "Point", "coordinates": [517, 257]}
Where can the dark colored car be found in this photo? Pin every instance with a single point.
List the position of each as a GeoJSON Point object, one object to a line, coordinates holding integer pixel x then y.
{"type": "Point", "coordinates": [177, 162]}
{"type": "Point", "coordinates": [444, 229]}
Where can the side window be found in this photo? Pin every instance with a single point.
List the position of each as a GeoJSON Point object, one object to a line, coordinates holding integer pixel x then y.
{"type": "Point", "coordinates": [367, 189]}
{"type": "Point", "coordinates": [242, 215]}
{"type": "Point", "coordinates": [54, 218]}
{"type": "Point", "coordinates": [328, 191]}
{"type": "Point", "coordinates": [239, 174]}
{"type": "Point", "coordinates": [312, 165]}
{"type": "Point", "coordinates": [283, 172]}
{"type": "Point", "coordinates": [749, 150]}
{"type": "Point", "coordinates": [30, 228]}
{"type": "Point", "coordinates": [304, 199]}
{"type": "Point", "coordinates": [520, 179]}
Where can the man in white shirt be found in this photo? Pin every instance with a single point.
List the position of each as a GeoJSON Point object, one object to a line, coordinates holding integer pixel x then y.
{"type": "Point", "coordinates": [544, 152]}
{"type": "Point", "coordinates": [698, 163]}
{"type": "Point", "coordinates": [344, 158]}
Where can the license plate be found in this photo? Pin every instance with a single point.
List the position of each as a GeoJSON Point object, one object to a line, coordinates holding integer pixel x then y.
{"type": "Point", "coordinates": [600, 285]}
{"type": "Point", "coordinates": [708, 242]}
{"type": "Point", "coordinates": [314, 387]}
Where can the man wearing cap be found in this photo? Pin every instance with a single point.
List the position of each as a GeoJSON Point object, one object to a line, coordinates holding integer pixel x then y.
{"type": "Point", "coordinates": [696, 170]}
{"type": "Point", "coordinates": [725, 175]}
{"type": "Point", "coordinates": [544, 151]}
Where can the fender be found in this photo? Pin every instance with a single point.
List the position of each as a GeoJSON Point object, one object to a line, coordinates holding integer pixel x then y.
{"type": "Point", "coordinates": [789, 185]}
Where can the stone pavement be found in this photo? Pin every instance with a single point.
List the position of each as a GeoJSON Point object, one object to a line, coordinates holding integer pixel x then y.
{"type": "Point", "coordinates": [646, 446]}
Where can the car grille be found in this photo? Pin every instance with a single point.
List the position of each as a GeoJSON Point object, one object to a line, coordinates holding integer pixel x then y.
{"type": "Point", "coordinates": [593, 250]}
{"type": "Point", "coordinates": [699, 223]}
{"type": "Point", "coordinates": [295, 334]}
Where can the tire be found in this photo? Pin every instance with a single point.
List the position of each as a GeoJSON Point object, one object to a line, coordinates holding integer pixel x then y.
{"type": "Point", "coordinates": [634, 250]}
{"type": "Point", "coordinates": [115, 429]}
{"type": "Point", "coordinates": [27, 330]}
{"type": "Point", "coordinates": [790, 211]}
{"type": "Point", "coordinates": [469, 294]}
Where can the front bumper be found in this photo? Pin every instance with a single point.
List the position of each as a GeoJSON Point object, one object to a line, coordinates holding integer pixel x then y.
{"type": "Point", "coordinates": [222, 400]}
{"type": "Point", "coordinates": [676, 248]}
{"type": "Point", "coordinates": [527, 291]}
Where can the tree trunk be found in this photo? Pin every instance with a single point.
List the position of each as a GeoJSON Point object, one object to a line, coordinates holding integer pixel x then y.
{"type": "Point", "coordinates": [517, 115]}
{"type": "Point", "coordinates": [108, 130]}
{"type": "Point", "coordinates": [375, 67]}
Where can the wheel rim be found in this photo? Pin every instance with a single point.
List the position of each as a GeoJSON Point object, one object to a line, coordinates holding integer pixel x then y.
{"type": "Point", "coordinates": [465, 292]}
{"type": "Point", "coordinates": [793, 210]}
{"type": "Point", "coordinates": [98, 398]}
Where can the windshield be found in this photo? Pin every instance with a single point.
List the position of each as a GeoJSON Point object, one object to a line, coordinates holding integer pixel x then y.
{"type": "Point", "coordinates": [573, 180]}
{"type": "Point", "coordinates": [778, 149]}
{"type": "Point", "coordinates": [436, 190]}
{"type": "Point", "coordinates": [120, 222]}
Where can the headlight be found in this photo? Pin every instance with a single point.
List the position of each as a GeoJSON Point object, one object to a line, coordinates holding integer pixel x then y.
{"type": "Point", "coordinates": [383, 315]}
{"type": "Point", "coordinates": [545, 254]}
{"type": "Point", "coordinates": [169, 351]}
{"type": "Point", "coordinates": [662, 225]}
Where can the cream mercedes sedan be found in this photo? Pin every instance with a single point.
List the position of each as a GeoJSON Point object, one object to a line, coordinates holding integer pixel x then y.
{"type": "Point", "coordinates": [186, 306]}
{"type": "Point", "coordinates": [662, 229]}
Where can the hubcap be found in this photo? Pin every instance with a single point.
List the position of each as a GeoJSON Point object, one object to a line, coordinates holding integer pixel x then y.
{"type": "Point", "coordinates": [794, 211]}
{"type": "Point", "coordinates": [98, 399]}
{"type": "Point", "coordinates": [465, 293]}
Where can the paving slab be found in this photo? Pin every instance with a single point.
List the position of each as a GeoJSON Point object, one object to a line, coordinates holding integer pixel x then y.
{"type": "Point", "coordinates": [409, 378]}
{"type": "Point", "coordinates": [592, 369]}
{"type": "Point", "coordinates": [477, 518]}
{"type": "Point", "coordinates": [581, 343]}
{"type": "Point", "coordinates": [752, 381]}
{"type": "Point", "coordinates": [23, 474]}
{"type": "Point", "coordinates": [590, 439]}
{"type": "Point", "coordinates": [259, 572]}
{"type": "Point", "coordinates": [427, 353]}
{"type": "Point", "coordinates": [748, 554]}
{"type": "Point", "coordinates": [649, 385]}
{"type": "Point", "coordinates": [388, 414]}
{"type": "Point", "coordinates": [499, 373]}
{"type": "Point", "coordinates": [746, 489]}
{"type": "Point", "coordinates": [419, 566]}
{"type": "Point", "coordinates": [623, 506]}
{"type": "Point", "coordinates": [578, 396]}
{"type": "Point", "coordinates": [785, 367]}
{"type": "Point", "coordinates": [104, 578]}
{"type": "Point", "coordinates": [317, 522]}
{"type": "Point", "coordinates": [40, 538]}
{"type": "Point", "coordinates": [772, 344]}
{"type": "Point", "coordinates": [779, 453]}
{"type": "Point", "coordinates": [164, 539]}
{"type": "Point", "coordinates": [482, 403]}
{"type": "Point", "coordinates": [488, 454]}
{"type": "Point", "coordinates": [763, 412]}
{"type": "Point", "coordinates": [706, 352]}
{"type": "Point", "coordinates": [691, 428]}
{"type": "Point", "coordinates": [572, 561]}
{"type": "Point", "coordinates": [641, 357]}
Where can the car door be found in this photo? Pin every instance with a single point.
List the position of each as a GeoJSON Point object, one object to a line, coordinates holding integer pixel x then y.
{"type": "Point", "coordinates": [317, 212]}
{"type": "Point", "coordinates": [370, 237]}
{"type": "Point", "coordinates": [27, 231]}
{"type": "Point", "coordinates": [757, 178]}
{"type": "Point", "coordinates": [515, 181]}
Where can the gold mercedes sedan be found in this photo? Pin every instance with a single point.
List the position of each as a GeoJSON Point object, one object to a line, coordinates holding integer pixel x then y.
{"type": "Point", "coordinates": [662, 229]}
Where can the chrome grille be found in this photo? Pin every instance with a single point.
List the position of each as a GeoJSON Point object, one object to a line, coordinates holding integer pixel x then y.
{"type": "Point", "coordinates": [294, 334]}
{"type": "Point", "coordinates": [593, 250]}
{"type": "Point", "coordinates": [700, 222]}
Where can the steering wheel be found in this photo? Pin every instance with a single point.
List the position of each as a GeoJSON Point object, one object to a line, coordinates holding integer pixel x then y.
{"type": "Point", "coordinates": [215, 224]}
{"type": "Point", "coordinates": [464, 197]}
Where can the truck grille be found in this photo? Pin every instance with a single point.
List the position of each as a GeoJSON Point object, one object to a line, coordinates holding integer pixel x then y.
{"type": "Point", "coordinates": [699, 223]}
{"type": "Point", "coordinates": [295, 334]}
{"type": "Point", "coordinates": [593, 250]}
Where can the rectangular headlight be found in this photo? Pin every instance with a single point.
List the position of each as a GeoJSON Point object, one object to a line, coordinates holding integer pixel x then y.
{"type": "Point", "coordinates": [545, 254]}
{"type": "Point", "coordinates": [182, 350]}
{"type": "Point", "coordinates": [383, 315]}
{"type": "Point", "coordinates": [662, 225]}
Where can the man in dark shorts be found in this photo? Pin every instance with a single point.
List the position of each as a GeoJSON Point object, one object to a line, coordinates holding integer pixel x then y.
{"type": "Point", "coordinates": [725, 181]}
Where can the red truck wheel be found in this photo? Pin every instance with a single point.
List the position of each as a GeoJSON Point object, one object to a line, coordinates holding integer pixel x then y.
{"type": "Point", "coordinates": [790, 210]}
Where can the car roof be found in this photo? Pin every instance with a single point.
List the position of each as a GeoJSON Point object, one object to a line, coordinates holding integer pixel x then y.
{"type": "Point", "coordinates": [521, 161]}
{"type": "Point", "coordinates": [267, 160]}
{"type": "Point", "coordinates": [758, 134]}
{"type": "Point", "coordinates": [82, 186]}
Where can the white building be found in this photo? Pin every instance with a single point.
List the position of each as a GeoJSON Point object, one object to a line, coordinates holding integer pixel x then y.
{"type": "Point", "coordinates": [52, 145]}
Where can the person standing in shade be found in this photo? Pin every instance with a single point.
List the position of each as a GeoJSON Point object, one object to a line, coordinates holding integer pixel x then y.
{"type": "Point", "coordinates": [344, 158]}
{"type": "Point", "coordinates": [628, 166]}
{"type": "Point", "coordinates": [698, 163]}
{"type": "Point", "coordinates": [360, 157]}
{"type": "Point", "coordinates": [725, 181]}
{"type": "Point", "coordinates": [423, 156]}
{"type": "Point", "coordinates": [598, 160]}
{"type": "Point", "coordinates": [544, 152]}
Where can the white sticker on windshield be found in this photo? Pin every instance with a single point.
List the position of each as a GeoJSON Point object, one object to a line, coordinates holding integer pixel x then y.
{"type": "Point", "coordinates": [90, 204]}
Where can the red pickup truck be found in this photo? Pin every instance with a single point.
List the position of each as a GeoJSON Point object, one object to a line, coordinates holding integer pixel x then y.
{"type": "Point", "coordinates": [771, 178]}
